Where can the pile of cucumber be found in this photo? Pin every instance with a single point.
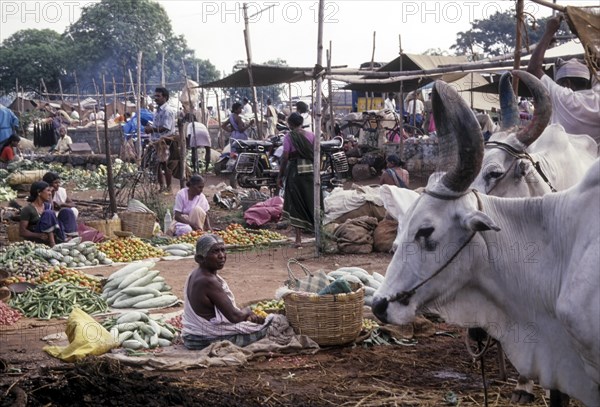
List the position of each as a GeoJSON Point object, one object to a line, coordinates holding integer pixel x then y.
{"type": "Point", "coordinates": [179, 249]}
{"type": "Point", "coordinates": [136, 330]}
{"type": "Point", "coordinates": [138, 286]}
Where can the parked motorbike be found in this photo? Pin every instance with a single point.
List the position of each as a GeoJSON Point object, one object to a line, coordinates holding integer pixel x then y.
{"type": "Point", "coordinates": [256, 164]}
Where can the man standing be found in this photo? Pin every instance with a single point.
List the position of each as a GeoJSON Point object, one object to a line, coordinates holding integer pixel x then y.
{"type": "Point", "coordinates": [271, 116]}
{"type": "Point", "coordinates": [9, 123]}
{"type": "Point", "coordinates": [246, 107]}
{"type": "Point", "coordinates": [199, 137]}
{"type": "Point", "coordinates": [164, 126]}
{"type": "Point", "coordinates": [574, 105]}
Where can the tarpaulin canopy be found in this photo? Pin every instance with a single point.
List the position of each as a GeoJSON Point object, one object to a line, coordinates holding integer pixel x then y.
{"type": "Point", "coordinates": [404, 63]}
{"type": "Point", "coordinates": [263, 75]}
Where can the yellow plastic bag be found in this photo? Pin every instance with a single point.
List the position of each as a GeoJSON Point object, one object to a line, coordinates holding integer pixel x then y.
{"type": "Point", "coordinates": [86, 337]}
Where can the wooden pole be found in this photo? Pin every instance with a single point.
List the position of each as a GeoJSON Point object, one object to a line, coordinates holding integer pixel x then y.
{"type": "Point", "coordinates": [317, 143]}
{"type": "Point", "coordinates": [137, 93]}
{"type": "Point", "coordinates": [250, 76]}
{"type": "Point", "coordinates": [553, 6]}
{"type": "Point", "coordinates": [162, 70]}
{"type": "Point", "coordinates": [77, 90]}
{"type": "Point", "coordinates": [115, 105]}
{"type": "Point", "coordinates": [401, 99]}
{"type": "Point", "coordinates": [517, 59]}
{"type": "Point", "coordinates": [109, 170]}
{"type": "Point", "coordinates": [290, 96]}
{"type": "Point", "coordinates": [45, 88]}
{"type": "Point", "coordinates": [62, 98]}
{"type": "Point", "coordinates": [182, 146]}
{"type": "Point", "coordinates": [96, 114]}
{"type": "Point", "coordinates": [220, 141]}
{"type": "Point", "coordinates": [330, 86]}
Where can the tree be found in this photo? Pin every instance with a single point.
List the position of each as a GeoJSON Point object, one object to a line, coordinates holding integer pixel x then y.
{"type": "Point", "coordinates": [30, 56]}
{"type": "Point", "coordinates": [496, 35]}
{"type": "Point", "coordinates": [262, 92]}
{"type": "Point", "coordinates": [109, 35]}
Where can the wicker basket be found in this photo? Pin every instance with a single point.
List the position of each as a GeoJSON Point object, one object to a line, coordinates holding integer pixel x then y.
{"type": "Point", "coordinates": [107, 227]}
{"type": "Point", "coordinates": [12, 231]}
{"type": "Point", "coordinates": [141, 224]}
{"type": "Point", "coordinates": [326, 319]}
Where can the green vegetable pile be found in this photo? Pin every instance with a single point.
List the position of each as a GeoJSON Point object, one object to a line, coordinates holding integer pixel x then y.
{"type": "Point", "coordinates": [57, 300]}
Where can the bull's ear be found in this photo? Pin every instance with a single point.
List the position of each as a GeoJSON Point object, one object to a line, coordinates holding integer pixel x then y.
{"type": "Point", "coordinates": [478, 222]}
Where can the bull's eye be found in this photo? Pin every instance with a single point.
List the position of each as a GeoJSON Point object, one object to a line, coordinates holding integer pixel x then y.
{"type": "Point", "coordinates": [425, 232]}
{"type": "Point", "coordinates": [493, 175]}
{"type": "Point", "coordinates": [424, 235]}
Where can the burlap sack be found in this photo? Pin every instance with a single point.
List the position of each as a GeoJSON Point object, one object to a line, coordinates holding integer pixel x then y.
{"type": "Point", "coordinates": [384, 235]}
{"type": "Point", "coordinates": [356, 235]}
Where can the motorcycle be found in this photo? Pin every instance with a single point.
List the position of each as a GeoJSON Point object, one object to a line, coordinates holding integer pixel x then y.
{"type": "Point", "coordinates": [256, 164]}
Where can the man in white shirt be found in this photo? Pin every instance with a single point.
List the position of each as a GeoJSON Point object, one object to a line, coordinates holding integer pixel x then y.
{"type": "Point", "coordinates": [63, 145]}
{"type": "Point", "coordinates": [390, 102]}
{"type": "Point", "coordinates": [415, 112]}
{"type": "Point", "coordinates": [199, 137]}
{"type": "Point", "coordinates": [164, 126]}
{"type": "Point", "coordinates": [246, 107]}
{"type": "Point", "coordinates": [574, 105]}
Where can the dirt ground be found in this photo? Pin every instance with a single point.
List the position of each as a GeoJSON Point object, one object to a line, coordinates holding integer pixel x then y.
{"type": "Point", "coordinates": [435, 371]}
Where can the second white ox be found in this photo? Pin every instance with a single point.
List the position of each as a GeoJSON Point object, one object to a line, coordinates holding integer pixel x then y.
{"type": "Point", "coordinates": [536, 159]}
{"type": "Point", "coordinates": [526, 270]}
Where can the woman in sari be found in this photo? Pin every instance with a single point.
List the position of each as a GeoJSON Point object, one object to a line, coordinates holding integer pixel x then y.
{"type": "Point", "coordinates": [191, 208]}
{"type": "Point", "coordinates": [297, 169]}
{"type": "Point", "coordinates": [238, 127]}
{"type": "Point", "coordinates": [38, 222]}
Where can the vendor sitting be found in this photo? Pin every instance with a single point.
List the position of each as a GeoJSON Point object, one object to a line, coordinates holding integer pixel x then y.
{"type": "Point", "coordinates": [395, 173]}
{"type": "Point", "coordinates": [63, 146]}
{"type": "Point", "coordinates": [38, 222]}
{"type": "Point", "coordinates": [63, 206]}
{"type": "Point", "coordinates": [210, 313]}
{"type": "Point", "coordinates": [191, 208]}
{"type": "Point", "coordinates": [9, 151]}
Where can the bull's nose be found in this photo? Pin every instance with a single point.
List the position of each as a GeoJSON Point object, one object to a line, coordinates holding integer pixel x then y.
{"type": "Point", "coordinates": [379, 308]}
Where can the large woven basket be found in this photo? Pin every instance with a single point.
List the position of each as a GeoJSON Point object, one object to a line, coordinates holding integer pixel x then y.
{"type": "Point", "coordinates": [12, 232]}
{"type": "Point", "coordinates": [141, 224]}
{"type": "Point", "coordinates": [107, 226]}
{"type": "Point", "coordinates": [327, 319]}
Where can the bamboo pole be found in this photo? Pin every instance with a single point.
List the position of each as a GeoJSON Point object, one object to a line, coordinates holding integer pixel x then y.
{"type": "Point", "coordinates": [182, 146]}
{"type": "Point", "coordinates": [317, 143]}
{"type": "Point", "coordinates": [401, 99]}
{"type": "Point", "coordinates": [45, 88]}
{"type": "Point", "coordinates": [77, 90]}
{"type": "Point", "coordinates": [517, 57]}
{"type": "Point", "coordinates": [62, 98]}
{"type": "Point", "coordinates": [330, 86]}
{"type": "Point", "coordinates": [137, 93]}
{"type": "Point", "coordinates": [115, 105]}
{"type": "Point", "coordinates": [250, 76]}
{"type": "Point", "coordinates": [553, 6]}
{"type": "Point", "coordinates": [220, 141]}
{"type": "Point", "coordinates": [96, 114]}
{"type": "Point", "coordinates": [109, 170]}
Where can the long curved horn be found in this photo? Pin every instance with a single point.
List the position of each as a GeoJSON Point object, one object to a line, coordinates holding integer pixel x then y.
{"type": "Point", "coordinates": [456, 123]}
{"type": "Point", "coordinates": [508, 103]}
{"type": "Point", "coordinates": [542, 105]}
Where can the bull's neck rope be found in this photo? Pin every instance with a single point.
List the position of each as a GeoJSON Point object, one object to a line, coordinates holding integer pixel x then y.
{"type": "Point", "coordinates": [404, 296]}
{"type": "Point", "coordinates": [510, 150]}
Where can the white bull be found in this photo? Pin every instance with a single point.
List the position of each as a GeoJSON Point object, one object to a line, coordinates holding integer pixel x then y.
{"type": "Point", "coordinates": [526, 270]}
{"type": "Point", "coordinates": [532, 161]}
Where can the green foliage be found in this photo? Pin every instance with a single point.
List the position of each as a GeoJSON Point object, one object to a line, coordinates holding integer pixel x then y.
{"type": "Point", "coordinates": [32, 55]}
{"type": "Point", "coordinates": [262, 92]}
{"type": "Point", "coordinates": [104, 41]}
{"type": "Point", "coordinates": [496, 35]}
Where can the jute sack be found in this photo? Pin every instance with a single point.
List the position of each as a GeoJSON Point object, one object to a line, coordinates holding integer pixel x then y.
{"type": "Point", "coordinates": [384, 235]}
{"type": "Point", "coordinates": [356, 235]}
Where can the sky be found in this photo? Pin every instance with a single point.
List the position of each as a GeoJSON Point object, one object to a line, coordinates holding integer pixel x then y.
{"type": "Point", "coordinates": [288, 29]}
